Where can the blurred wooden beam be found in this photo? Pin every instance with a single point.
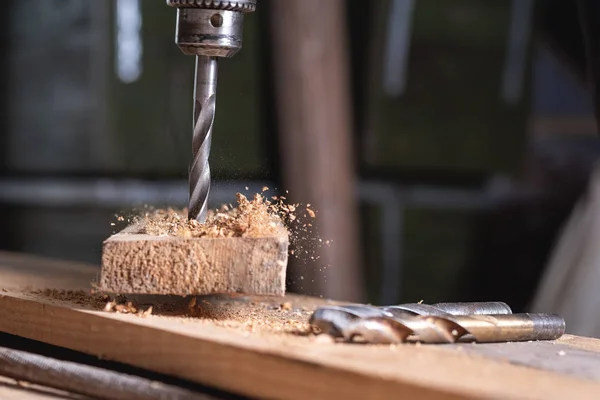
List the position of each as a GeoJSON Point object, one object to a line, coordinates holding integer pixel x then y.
{"type": "Point", "coordinates": [314, 112]}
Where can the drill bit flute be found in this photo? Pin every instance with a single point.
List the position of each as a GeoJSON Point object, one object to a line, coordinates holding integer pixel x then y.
{"type": "Point", "coordinates": [205, 90]}
{"type": "Point", "coordinates": [207, 29]}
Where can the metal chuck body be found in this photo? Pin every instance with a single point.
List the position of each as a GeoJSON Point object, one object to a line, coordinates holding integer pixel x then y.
{"type": "Point", "coordinates": [207, 29]}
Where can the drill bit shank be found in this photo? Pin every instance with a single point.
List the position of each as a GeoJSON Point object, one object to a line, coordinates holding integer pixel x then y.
{"type": "Point", "coordinates": [474, 308]}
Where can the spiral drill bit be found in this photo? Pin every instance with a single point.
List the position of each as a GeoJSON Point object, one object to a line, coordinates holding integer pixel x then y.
{"type": "Point", "coordinates": [333, 319]}
{"type": "Point", "coordinates": [207, 29]}
{"type": "Point", "coordinates": [205, 89]}
{"type": "Point", "coordinates": [437, 323]}
{"type": "Point", "coordinates": [455, 328]}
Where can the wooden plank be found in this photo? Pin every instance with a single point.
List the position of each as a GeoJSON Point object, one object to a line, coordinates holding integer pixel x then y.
{"type": "Point", "coordinates": [556, 356]}
{"type": "Point", "coordinates": [269, 364]}
{"type": "Point", "coordinates": [141, 263]}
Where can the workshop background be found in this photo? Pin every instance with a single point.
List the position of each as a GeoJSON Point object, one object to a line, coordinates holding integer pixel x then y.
{"type": "Point", "coordinates": [467, 125]}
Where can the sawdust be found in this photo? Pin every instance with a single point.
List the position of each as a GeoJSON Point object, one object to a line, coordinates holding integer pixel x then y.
{"type": "Point", "coordinates": [127, 308]}
{"type": "Point", "coordinates": [253, 218]}
{"type": "Point", "coordinates": [300, 222]}
{"type": "Point", "coordinates": [260, 216]}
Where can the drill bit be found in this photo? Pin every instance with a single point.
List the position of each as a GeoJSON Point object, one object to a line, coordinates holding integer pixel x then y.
{"type": "Point", "coordinates": [473, 308]}
{"type": "Point", "coordinates": [207, 29]}
{"type": "Point", "coordinates": [205, 90]}
{"type": "Point", "coordinates": [331, 319]}
{"type": "Point", "coordinates": [455, 328]}
{"type": "Point", "coordinates": [437, 323]}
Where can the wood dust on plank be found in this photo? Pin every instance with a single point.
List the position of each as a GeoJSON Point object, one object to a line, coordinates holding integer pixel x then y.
{"type": "Point", "coordinates": [253, 316]}
{"type": "Point", "coordinates": [248, 314]}
{"type": "Point", "coordinates": [94, 301]}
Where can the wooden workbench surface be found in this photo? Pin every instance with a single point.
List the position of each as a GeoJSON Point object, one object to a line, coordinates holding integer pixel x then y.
{"type": "Point", "coordinates": [259, 347]}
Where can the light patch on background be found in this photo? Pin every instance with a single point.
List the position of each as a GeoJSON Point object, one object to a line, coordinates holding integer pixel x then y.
{"type": "Point", "coordinates": [129, 40]}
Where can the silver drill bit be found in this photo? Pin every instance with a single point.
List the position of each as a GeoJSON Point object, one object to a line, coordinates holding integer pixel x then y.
{"type": "Point", "coordinates": [436, 323]}
{"type": "Point", "coordinates": [207, 29]}
{"type": "Point", "coordinates": [455, 328]}
{"type": "Point", "coordinates": [472, 308]}
{"type": "Point", "coordinates": [205, 90]}
{"type": "Point", "coordinates": [332, 319]}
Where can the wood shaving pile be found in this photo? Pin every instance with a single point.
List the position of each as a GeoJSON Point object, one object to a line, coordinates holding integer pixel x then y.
{"type": "Point", "coordinates": [262, 216]}
{"type": "Point", "coordinates": [251, 218]}
{"type": "Point", "coordinates": [127, 308]}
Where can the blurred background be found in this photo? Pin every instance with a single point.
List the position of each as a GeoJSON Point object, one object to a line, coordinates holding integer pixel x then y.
{"type": "Point", "coordinates": [465, 131]}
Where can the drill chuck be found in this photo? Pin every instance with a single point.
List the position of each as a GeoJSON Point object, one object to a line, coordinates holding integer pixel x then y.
{"type": "Point", "coordinates": [211, 28]}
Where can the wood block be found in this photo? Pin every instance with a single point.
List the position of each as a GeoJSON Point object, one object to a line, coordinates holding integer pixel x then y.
{"type": "Point", "coordinates": [134, 262]}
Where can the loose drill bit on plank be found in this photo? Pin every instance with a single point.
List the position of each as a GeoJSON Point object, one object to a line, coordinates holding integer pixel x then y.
{"type": "Point", "coordinates": [452, 329]}
{"type": "Point", "coordinates": [332, 319]}
{"type": "Point", "coordinates": [207, 29]}
{"type": "Point", "coordinates": [442, 323]}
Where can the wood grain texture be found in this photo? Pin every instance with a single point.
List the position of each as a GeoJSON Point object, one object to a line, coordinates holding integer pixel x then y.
{"type": "Point", "coordinates": [315, 128]}
{"type": "Point", "coordinates": [289, 366]}
{"type": "Point", "coordinates": [141, 263]}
